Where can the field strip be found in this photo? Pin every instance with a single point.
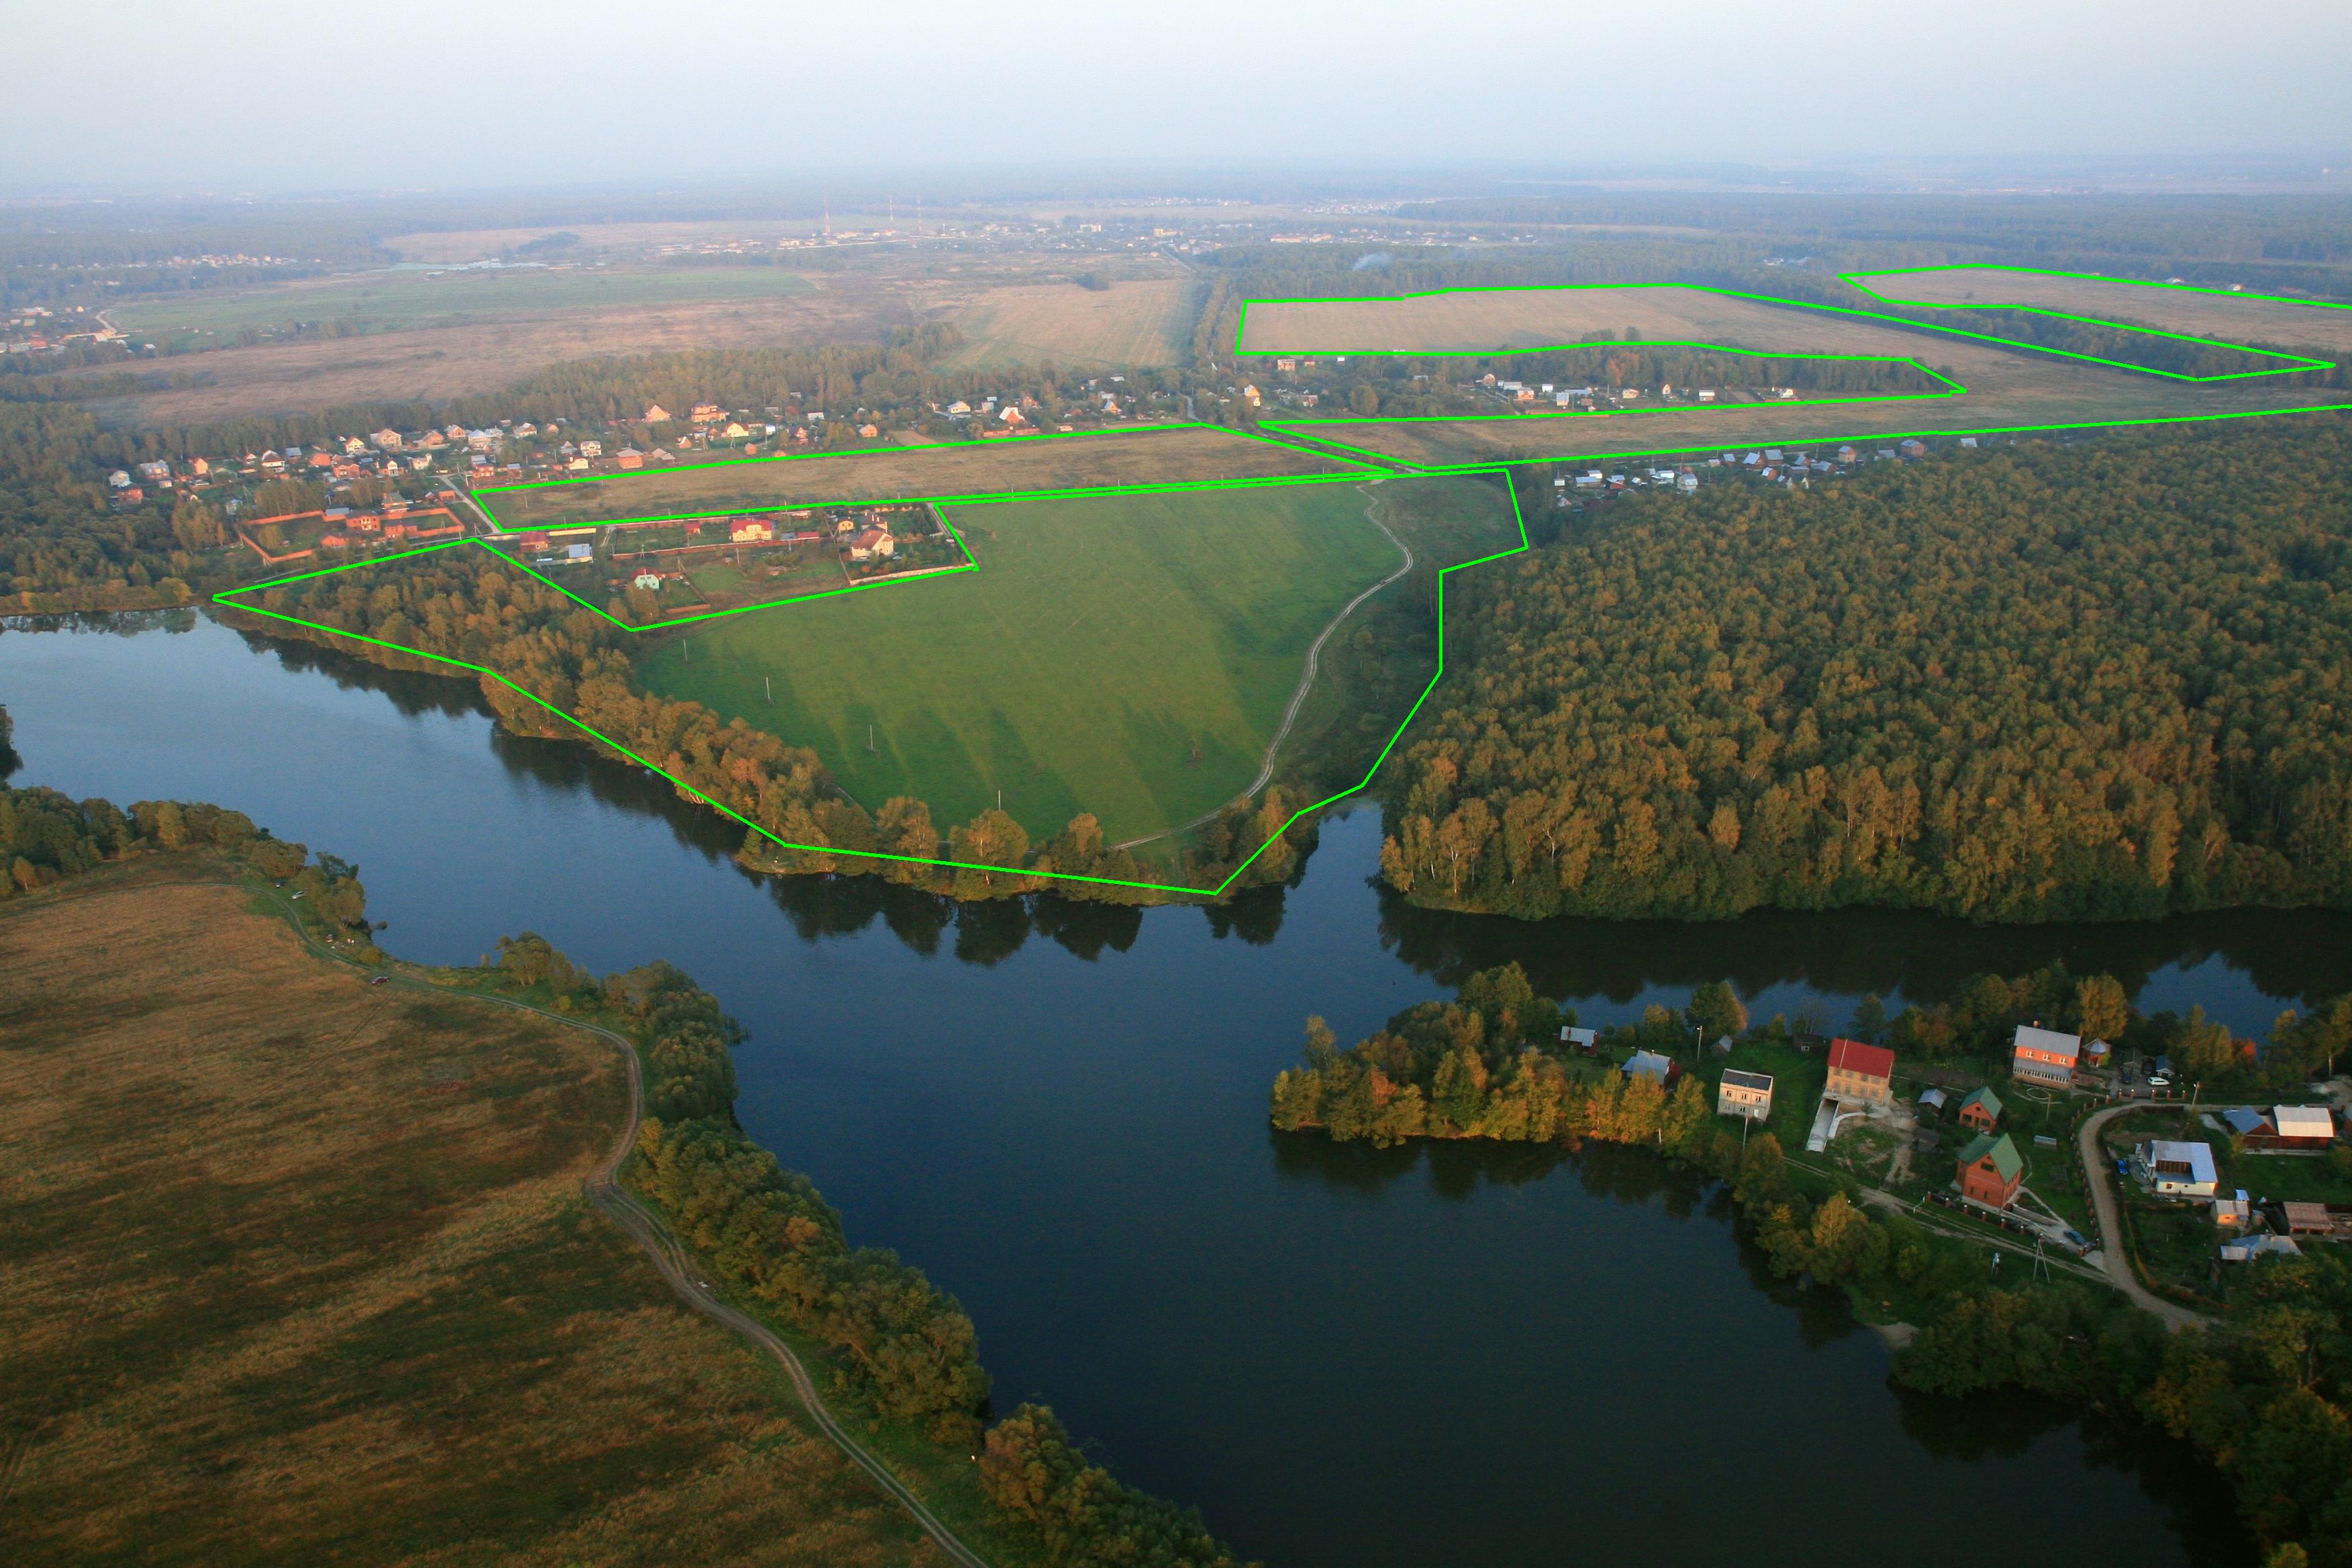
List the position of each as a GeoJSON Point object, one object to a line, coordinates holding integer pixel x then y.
{"type": "Point", "coordinates": [1306, 684]}
{"type": "Point", "coordinates": [1376, 467]}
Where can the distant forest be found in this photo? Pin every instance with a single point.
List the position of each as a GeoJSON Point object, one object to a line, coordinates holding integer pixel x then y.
{"type": "Point", "coordinates": [2041, 682]}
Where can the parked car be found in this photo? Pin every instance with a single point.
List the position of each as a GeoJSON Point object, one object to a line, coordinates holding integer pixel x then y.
{"type": "Point", "coordinates": [2160, 1080]}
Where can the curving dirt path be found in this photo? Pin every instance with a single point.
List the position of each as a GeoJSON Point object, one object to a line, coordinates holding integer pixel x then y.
{"type": "Point", "coordinates": [669, 1257]}
{"type": "Point", "coordinates": [2111, 1259]}
{"type": "Point", "coordinates": [1305, 680]}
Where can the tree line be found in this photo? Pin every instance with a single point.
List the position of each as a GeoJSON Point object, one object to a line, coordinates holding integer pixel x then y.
{"type": "Point", "coordinates": [2265, 1395]}
{"type": "Point", "coordinates": [462, 605]}
{"type": "Point", "coordinates": [2041, 682]}
{"type": "Point", "coordinates": [906, 1346]}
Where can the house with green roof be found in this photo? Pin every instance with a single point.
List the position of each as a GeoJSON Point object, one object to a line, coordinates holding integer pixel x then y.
{"type": "Point", "coordinates": [1981, 1111]}
{"type": "Point", "coordinates": [1991, 1170]}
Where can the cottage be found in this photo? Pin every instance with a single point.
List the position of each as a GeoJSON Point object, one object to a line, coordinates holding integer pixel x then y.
{"type": "Point", "coordinates": [2245, 1121]}
{"type": "Point", "coordinates": [1659, 1070]}
{"type": "Point", "coordinates": [1860, 1072]}
{"type": "Point", "coordinates": [2175, 1170]}
{"type": "Point", "coordinates": [1991, 1170]}
{"type": "Point", "coordinates": [750, 531]}
{"type": "Point", "coordinates": [650, 580]}
{"type": "Point", "coordinates": [1747, 1095]}
{"type": "Point", "coordinates": [1980, 1110]}
{"type": "Point", "coordinates": [2045, 1056]}
{"type": "Point", "coordinates": [386, 440]}
{"type": "Point", "coordinates": [2256, 1246]}
{"type": "Point", "coordinates": [2301, 1218]}
{"type": "Point", "coordinates": [1584, 1040]}
{"type": "Point", "coordinates": [708, 413]}
{"type": "Point", "coordinates": [1931, 1102]}
{"type": "Point", "coordinates": [869, 543]}
{"type": "Point", "coordinates": [2305, 1127]}
{"type": "Point", "coordinates": [580, 552]}
{"type": "Point", "coordinates": [2233, 1213]}
{"type": "Point", "coordinates": [655, 414]}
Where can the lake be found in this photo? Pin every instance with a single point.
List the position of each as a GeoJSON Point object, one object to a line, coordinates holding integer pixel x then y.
{"type": "Point", "coordinates": [1342, 1356]}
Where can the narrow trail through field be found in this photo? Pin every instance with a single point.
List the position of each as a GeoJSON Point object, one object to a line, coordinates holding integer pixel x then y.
{"type": "Point", "coordinates": [669, 1257]}
{"type": "Point", "coordinates": [1306, 680]}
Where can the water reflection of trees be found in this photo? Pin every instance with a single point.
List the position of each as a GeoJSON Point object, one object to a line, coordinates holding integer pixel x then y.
{"type": "Point", "coordinates": [2285, 953]}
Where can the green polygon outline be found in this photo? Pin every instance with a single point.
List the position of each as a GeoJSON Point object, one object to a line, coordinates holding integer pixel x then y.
{"type": "Point", "coordinates": [1380, 466]}
{"type": "Point", "coordinates": [229, 599]}
{"type": "Point", "coordinates": [2301, 363]}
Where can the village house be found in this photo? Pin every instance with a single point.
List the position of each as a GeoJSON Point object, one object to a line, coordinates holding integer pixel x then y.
{"type": "Point", "coordinates": [2303, 1127]}
{"type": "Point", "coordinates": [2045, 1056]}
{"type": "Point", "coordinates": [1980, 1111]}
{"type": "Point", "coordinates": [1991, 1170]}
{"type": "Point", "coordinates": [1584, 1040]}
{"type": "Point", "coordinates": [1931, 1103]}
{"type": "Point", "coordinates": [1659, 1070]}
{"type": "Point", "coordinates": [1747, 1095]}
{"type": "Point", "coordinates": [386, 440]}
{"type": "Point", "coordinates": [707, 414]}
{"type": "Point", "coordinates": [750, 531]}
{"type": "Point", "coordinates": [655, 414]}
{"type": "Point", "coordinates": [2175, 1170]}
{"type": "Point", "coordinates": [868, 544]}
{"type": "Point", "coordinates": [1860, 1073]}
{"type": "Point", "coordinates": [650, 581]}
{"type": "Point", "coordinates": [2233, 1213]}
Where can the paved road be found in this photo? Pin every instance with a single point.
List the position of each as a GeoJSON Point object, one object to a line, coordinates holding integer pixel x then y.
{"type": "Point", "coordinates": [1305, 680]}
{"type": "Point", "coordinates": [671, 1259]}
{"type": "Point", "coordinates": [2111, 1259]}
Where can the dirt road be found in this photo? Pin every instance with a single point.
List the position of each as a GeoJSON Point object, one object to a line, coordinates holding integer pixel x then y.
{"type": "Point", "coordinates": [671, 1259]}
{"type": "Point", "coordinates": [2111, 1259]}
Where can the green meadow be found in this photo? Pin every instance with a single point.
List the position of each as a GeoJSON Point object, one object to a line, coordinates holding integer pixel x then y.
{"type": "Point", "coordinates": [1126, 656]}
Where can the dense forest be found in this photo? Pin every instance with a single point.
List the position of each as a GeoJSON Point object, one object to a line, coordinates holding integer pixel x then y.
{"type": "Point", "coordinates": [465, 606]}
{"type": "Point", "coordinates": [2265, 1394]}
{"type": "Point", "coordinates": [2039, 682]}
{"type": "Point", "coordinates": [905, 1347]}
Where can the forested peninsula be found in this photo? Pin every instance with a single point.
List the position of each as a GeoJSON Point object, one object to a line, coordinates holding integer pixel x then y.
{"type": "Point", "coordinates": [2045, 680]}
{"type": "Point", "coordinates": [2263, 1392]}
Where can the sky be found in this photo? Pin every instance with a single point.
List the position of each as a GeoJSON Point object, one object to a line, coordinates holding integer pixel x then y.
{"type": "Point", "coordinates": [270, 95]}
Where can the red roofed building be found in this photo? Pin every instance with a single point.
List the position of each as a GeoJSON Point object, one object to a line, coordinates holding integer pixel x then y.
{"type": "Point", "coordinates": [1861, 1073]}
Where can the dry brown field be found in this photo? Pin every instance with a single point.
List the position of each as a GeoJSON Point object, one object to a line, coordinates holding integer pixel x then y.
{"type": "Point", "coordinates": [298, 1270]}
{"type": "Point", "coordinates": [484, 356]}
{"type": "Point", "coordinates": [2035, 392]}
{"type": "Point", "coordinates": [1481, 320]}
{"type": "Point", "coordinates": [1029, 463]}
{"type": "Point", "coordinates": [2231, 319]}
{"type": "Point", "coordinates": [1145, 323]}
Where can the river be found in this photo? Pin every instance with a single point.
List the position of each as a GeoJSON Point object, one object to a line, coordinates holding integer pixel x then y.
{"type": "Point", "coordinates": [1499, 1356]}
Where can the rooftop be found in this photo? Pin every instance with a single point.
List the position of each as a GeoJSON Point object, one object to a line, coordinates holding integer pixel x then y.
{"type": "Point", "coordinates": [1852, 1056]}
{"type": "Point", "coordinates": [2002, 1152]}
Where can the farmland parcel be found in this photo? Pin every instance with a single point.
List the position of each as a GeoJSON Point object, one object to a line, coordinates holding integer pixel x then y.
{"type": "Point", "coordinates": [1130, 657]}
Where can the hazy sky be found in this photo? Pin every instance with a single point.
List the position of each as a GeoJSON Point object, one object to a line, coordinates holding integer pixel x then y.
{"type": "Point", "coordinates": [260, 93]}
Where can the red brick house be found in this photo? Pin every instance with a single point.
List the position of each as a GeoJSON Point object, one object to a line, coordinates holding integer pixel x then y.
{"type": "Point", "coordinates": [1860, 1073]}
{"type": "Point", "coordinates": [1991, 1170]}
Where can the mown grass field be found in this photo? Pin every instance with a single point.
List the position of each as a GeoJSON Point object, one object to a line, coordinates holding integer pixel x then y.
{"type": "Point", "coordinates": [391, 301]}
{"type": "Point", "coordinates": [1111, 456]}
{"type": "Point", "coordinates": [1126, 656]}
{"type": "Point", "coordinates": [297, 1270]}
{"type": "Point", "coordinates": [1145, 323]}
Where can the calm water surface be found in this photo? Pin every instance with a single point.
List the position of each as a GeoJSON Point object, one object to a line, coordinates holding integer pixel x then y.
{"type": "Point", "coordinates": [1343, 1356]}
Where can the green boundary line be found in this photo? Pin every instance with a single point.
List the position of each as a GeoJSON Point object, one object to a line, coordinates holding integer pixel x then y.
{"type": "Point", "coordinates": [2299, 365]}
{"type": "Point", "coordinates": [229, 597]}
{"type": "Point", "coordinates": [1379, 465]}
